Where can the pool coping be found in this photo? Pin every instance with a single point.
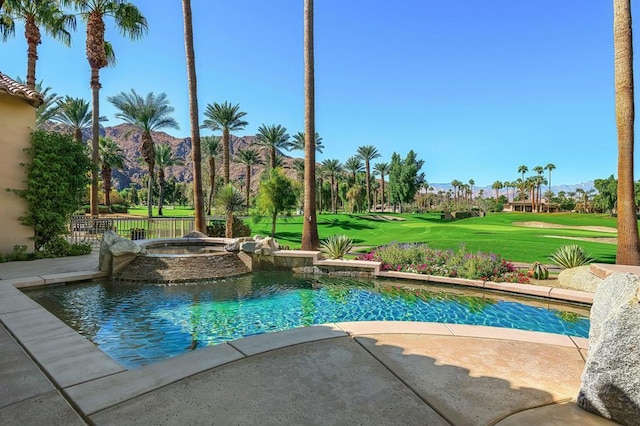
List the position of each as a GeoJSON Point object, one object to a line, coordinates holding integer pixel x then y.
{"type": "Point", "coordinates": [92, 381]}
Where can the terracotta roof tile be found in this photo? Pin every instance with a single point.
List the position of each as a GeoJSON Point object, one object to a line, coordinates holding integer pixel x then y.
{"type": "Point", "coordinates": [12, 87]}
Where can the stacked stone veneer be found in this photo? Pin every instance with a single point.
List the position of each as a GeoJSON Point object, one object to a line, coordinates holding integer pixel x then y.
{"type": "Point", "coordinates": [179, 268]}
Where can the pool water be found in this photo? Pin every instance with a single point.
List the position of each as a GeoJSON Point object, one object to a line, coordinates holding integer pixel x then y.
{"type": "Point", "coordinates": [142, 323]}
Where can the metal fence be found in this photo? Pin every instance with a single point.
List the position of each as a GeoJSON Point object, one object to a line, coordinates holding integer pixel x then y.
{"type": "Point", "coordinates": [86, 229]}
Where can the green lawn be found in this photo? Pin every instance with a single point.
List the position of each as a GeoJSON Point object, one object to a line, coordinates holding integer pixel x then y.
{"type": "Point", "coordinates": [168, 211]}
{"type": "Point", "coordinates": [494, 233]}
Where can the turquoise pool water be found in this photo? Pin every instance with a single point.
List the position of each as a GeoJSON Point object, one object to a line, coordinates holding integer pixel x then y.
{"type": "Point", "coordinates": [142, 323]}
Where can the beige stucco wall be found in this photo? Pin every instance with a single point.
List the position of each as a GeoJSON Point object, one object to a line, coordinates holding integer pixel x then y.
{"type": "Point", "coordinates": [17, 118]}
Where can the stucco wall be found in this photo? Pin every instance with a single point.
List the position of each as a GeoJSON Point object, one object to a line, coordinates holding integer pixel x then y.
{"type": "Point", "coordinates": [17, 118]}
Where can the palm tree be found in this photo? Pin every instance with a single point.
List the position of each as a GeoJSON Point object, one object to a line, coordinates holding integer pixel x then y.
{"type": "Point", "coordinates": [354, 166]}
{"type": "Point", "coordinates": [227, 118]}
{"type": "Point", "coordinates": [196, 149]}
{"type": "Point", "coordinates": [248, 157]}
{"type": "Point", "coordinates": [368, 153]}
{"type": "Point", "coordinates": [130, 22]}
{"type": "Point", "coordinates": [550, 167]}
{"type": "Point", "coordinates": [230, 199]}
{"type": "Point", "coordinates": [297, 143]}
{"type": "Point", "coordinates": [272, 138]}
{"type": "Point", "coordinates": [49, 106]}
{"type": "Point", "coordinates": [164, 159]}
{"type": "Point", "coordinates": [471, 183]}
{"type": "Point", "coordinates": [383, 170]}
{"type": "Point", "coordinates": [539, 170]}
{"type": "Point", "coordinates": [332, 167]}
{"type": "Point", "coordinates": [211, 148]}
{"type": "Point", "coordinates": [146, 115]}
{"type": "Point", "coordinates": [75, 113]}
{"type": "Point", "coordinates": [111, 157]}
{"type": "Point", "coordinates": [36, 14]}
{"type": "Point", "coordinates": [310, 238]}
{"type": "Point", "coordinates": [497, 186]}
{"type": "Point", "coordinates": [523, 169]}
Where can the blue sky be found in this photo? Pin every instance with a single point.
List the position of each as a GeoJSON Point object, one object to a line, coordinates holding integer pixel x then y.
{"type": "Point", "coordinates": [476, 88]}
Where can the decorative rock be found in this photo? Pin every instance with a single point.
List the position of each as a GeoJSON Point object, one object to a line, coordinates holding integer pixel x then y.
{"type": "Point", "coordinates": [248, 246]}
{"type": "Point", "coordinates": [232, 246]}
{"type": "Point", "coordinates": [579, 278]}
{"type": "Point", "coordinates": [195, 234]}
{"type": "Point", "coordinates": [611, 378]}
{"type": "Point", "coordinates": [114, 245]}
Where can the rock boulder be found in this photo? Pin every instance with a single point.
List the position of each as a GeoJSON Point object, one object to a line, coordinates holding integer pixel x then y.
{"type": "Point", "coordinates": [579, 278]}
{"type": "Point", "coordinates": [611, 378]}
{"type": "Point", "coordinates": [113, 245]}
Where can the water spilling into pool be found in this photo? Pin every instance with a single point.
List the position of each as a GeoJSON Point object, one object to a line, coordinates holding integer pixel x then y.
{"type": "Point", "coordinates": [142, 323]}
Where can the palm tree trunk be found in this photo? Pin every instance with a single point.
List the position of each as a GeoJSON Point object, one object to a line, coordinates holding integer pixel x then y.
{"type": "Point", "coordinates": [248, 184]}
{"type": "Point", "coordinates": [274, 217]}
{"type": "Point", "coordinates": [150, 192]}
{"type": "Point", "coordinates": [196, 153]}
{"type": "Point", "coordinates": [228, 227]}
{"type": "Point", "coordinates": [333, 195]}
{"type": "Point", "coordinates": [95, 139]}
{"type": "Point", "coordinates": [32, 34]}
{"type": "Point", "coordinates": [225, 155]}
{"type": "Point", "coordinates": [310, 238]}
{"type": "Point", "coordinates": [161, 190]}
{"type": "Point", "coordinates": [106, 185]}
{"type": "Point", "coordinates": [77, 134]}
{"type": "Point", "coordinates": [382, 189]}
{"type": "Point", "coordinates": [628, 249]}
{"type": "Point", "coordinates": [212, 182]}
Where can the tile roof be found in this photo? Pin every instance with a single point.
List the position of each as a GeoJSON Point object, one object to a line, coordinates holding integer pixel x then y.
{"type": "Point", "coordinates": [14, 88]}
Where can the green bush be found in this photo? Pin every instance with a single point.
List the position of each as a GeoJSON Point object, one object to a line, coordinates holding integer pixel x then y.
{"type": "Point", "coordinates": [102, 209]}
{"type": "Point", "coordinates": [59, 247]}
{"type": "Point", "coordinates": [570, 256]}
{"type": "Point", "coordinates": [216, 228]}
{"type": "Point", "coordinates": [463, 215]}
{"type": "Point", "coordinates": [119, 208]}
{"type": "Point", "coordinates": [336, 246]}
{"type": "Point", "coordinates": [57, 176]}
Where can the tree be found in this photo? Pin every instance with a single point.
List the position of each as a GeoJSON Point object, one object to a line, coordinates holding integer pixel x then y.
{"type": "Point", "coordinates": [111, 157]}
{"type": "Point", "coordinates": [226, 118]}
{"type": "Point", "coordinates": [164, 159]}
{"type": "Point", "coordinates": [272, 138]}
{"type": "Point", "coordinates": [276, 194]}
{"type": "Point", "coordinates": [196, 150]}
{"type": "Point", "coordinates": [211, 148]}
{"type": "Point", "coordinates": [354, 166]}
{"type": "Point", "coordinates": [131, 23]}
{"type": "Point", "coordinates": [49, 106]}
{"type": "Point", "coordinates": [36, 14]}
{"type": "Point", "coordinates": [297, 142]}
{"type": "Point", "coordinates": [146, 115]}
{"type": "Point", "coordinates": [523, 169]}
{"type": "Point", "coordinates": [382, 169]}
{"type": "Point", "coordinates": [368, 153]}
{"type": "Point", "coordinates": [332, 167]}
{"type": "Point", "coordinates": [230, 199]}
{"type": "Point", "coordinates": [471, 183]}
{"type": "Point", "coordinates": [75, 113]}
{"type": "Point", "coordinates": [248, 157]}
{"type": "Point", "coordinates": [549, 167]}
{"type": "Point", "coordinates": [628, 250]}
{"type": "Point", "coordinates": [310, 238]}
{"type": "Point", "coordinates": [497, 186]}
{"type": "Point", "coordinates": [404, 178]}
{"type": "Point", "coordinates": [607, 192]}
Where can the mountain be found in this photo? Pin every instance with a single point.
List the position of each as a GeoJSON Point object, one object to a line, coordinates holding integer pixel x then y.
{"type": "Point", "coordinates": [130, 140]}
{"type": "Point", "coordinates": [488, 192]}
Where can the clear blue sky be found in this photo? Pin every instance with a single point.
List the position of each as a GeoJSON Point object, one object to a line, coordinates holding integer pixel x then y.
{"type": "Point", "coordinates": [476, 88]}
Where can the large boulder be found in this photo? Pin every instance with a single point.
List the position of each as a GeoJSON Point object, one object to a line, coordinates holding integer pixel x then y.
{"type": "Point", "coordinates": [113, 245]}
{"type": "Point", "coordinates": [611, 378]}
{"type": "Point", "coordinates": [579, 278]}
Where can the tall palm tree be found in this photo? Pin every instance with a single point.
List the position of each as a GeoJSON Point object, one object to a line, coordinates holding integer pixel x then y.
{"type": "Point", "coordinates": [471, 183]}
{"type": "Point", "coordinates": [131, 23]}
{"type": "Point", "coordinates": [36, 14]}
{"type": "Point", "coordinates": [539, 170]}
{"type": "Point", "coordinates": [523, 169]}
{"type": "Point", "coordinates": [248, 157]}
{"type": "Point", "coordinates": [368, 153]}
{"type": "Point", "coordinates": [75, 113]}
{"type": "Point", "coordinates": [272, 138]}
{"type": "Point", "coordinates": [497, 186]}
{"type": "Point", "coordinates": [164, 159]}
{"type": "Point", "coordinates": [310, 238]}
{"type": "Point", "coordinates": [332, 167]}
{"type": "Point", "coordinates": [297, 142]}
{"type": "Point", "coordinates": [211, 146]}
{"type": "Point", "coordinates": [226, 118]}
{"type": "Point", "coordinates": [146, 115]}
{"type": "Point", "coordinates": [383, 170]}
{"type": "Point", "coordinates": [354, 166]}
{"type": "Point", "coordinates": [230, 199]}
{"type": "Point", "coordinates": [111, 157]}
{"type": "Point", "coordinates": [196, 149]}
{"type": "Point", "coordinates": [550, 167]}
{"type": "Point", "coordinates": [50, 103]}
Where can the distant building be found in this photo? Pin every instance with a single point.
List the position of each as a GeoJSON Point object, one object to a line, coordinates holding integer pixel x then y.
{"type": "Point", "coordinates": [527, 206]}
{"type": "Point", "coordinates": [18, 105]}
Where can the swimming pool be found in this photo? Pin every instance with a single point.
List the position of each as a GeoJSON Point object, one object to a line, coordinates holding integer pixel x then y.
{"type": "Point", "coordinates": [142, 323]}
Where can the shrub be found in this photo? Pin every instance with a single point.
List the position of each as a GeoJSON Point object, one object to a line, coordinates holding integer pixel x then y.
{"type": "Point", "coordinates": [538, 271]}
{"type": "Point", "coordinates": [119, 208]}
{"type": "Point", "coordinates": [56, 184]}
{"type": "Point", "coordinates": [570, 256]}
{"type": "Point", "coordinates": [216, 228]}
{"type": "Point", "coordinates": [59, 247]}
{"type": "Point", "coordinates": [336, 246]}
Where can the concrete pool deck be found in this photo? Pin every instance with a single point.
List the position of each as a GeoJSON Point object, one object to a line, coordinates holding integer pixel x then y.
{"type": "Point", "coordinates": [343, 373]}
